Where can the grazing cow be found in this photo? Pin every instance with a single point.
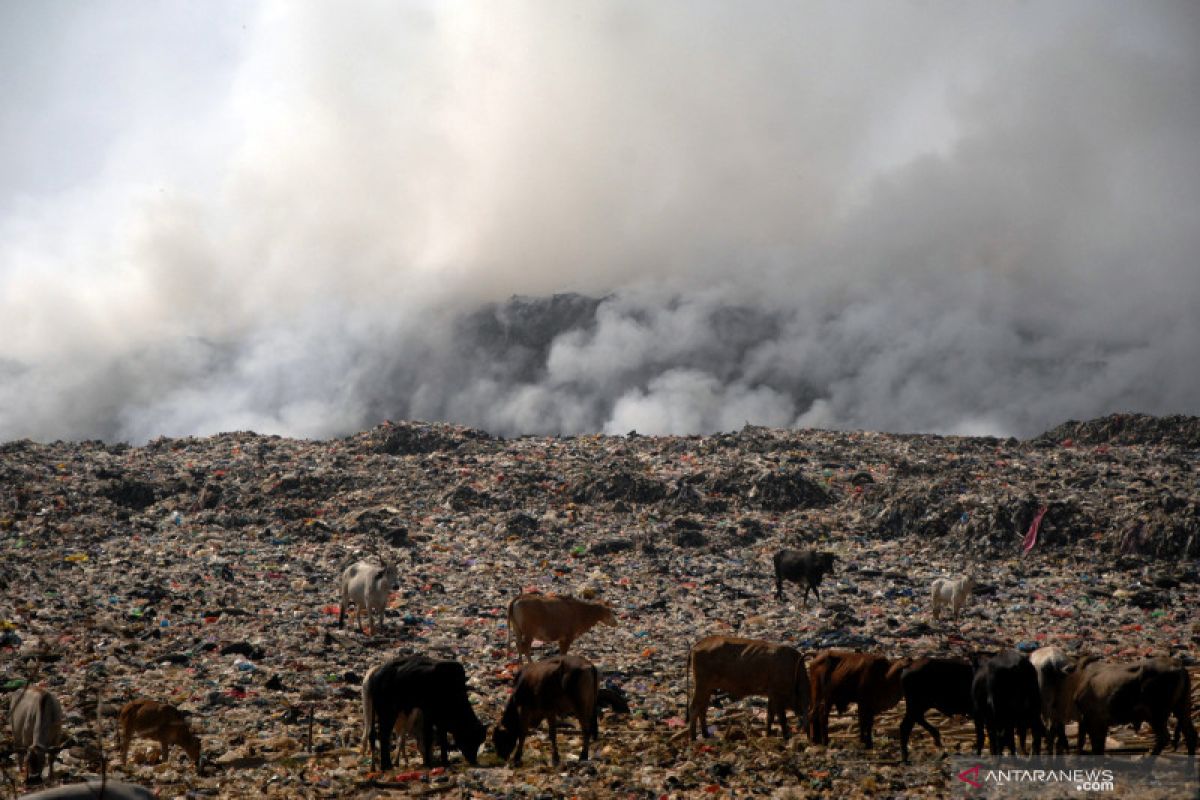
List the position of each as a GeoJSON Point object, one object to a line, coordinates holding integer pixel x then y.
{"type": "Point", "coordinates": [545, 690]}
{"type": "Point", "coordinates": [411, 724]}
{"type": "Point", "coordinates": [807, 567]}
{"type": "Point", "coordinates": [743, 667]}
{"type": "Point", "coordinates": [94, 789]}
{"type": "Point", "coordinates": [613, 699]}
{"type": "Point", "coordinates": [953, 592]}
{"type": "Point", "coordinates": [1150, 691]}
{"type": "Point", "coordinates": [553, 619]}
{"type": "Point", "coordinates": [37, 720]}
{"type": "Point", "coordinates": [439, 690]}
{"type": "Point", "coordinates": [1007, 699]}
{"type": "Point", "coordinates": [942, 684]}
{"type": "Point", "coordinates": [1052, 666]}
{"type": "Point", "coordinates": [367, 586]}
{"type": "Point", "coordinates": [839, 678]}
{"type": "Point", "coordinates": [153, 720]}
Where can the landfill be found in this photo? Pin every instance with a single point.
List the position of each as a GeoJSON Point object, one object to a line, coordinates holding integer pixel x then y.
{"type": "Point", "coordinates": [202, 572]}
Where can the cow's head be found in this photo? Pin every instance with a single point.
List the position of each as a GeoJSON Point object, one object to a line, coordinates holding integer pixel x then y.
{"type": "Point", "coordinates": [504, 739]}
{"type": "Point", "coordinates": [607, 617]}
{"type": "Point", "coordinates": [469, 739]}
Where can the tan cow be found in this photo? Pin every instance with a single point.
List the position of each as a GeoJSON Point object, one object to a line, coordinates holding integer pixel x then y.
{"type": "Point", "coordinates": [840, 677]}
{"type": "Point", "coordinates": [153, 720]}
{"type": "Point", "coordinates": [743, 667]}
{"type": "Point", "coordinates": [559, 619]}
{"type": "Point", "coordinates": [1150, 690]}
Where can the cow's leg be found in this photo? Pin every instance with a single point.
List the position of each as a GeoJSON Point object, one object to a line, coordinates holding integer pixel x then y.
{"type": "Point", "coordinates": [552, 722]}
{"type": "Point", "coordinates": [978, 735]}
{"type": "Point", "coordinates": [342, 611]}
{"type": "Point", "coordinates": [444, 743]}
{"type": "Point", "coordinates": [1098, 734]}
{"type": "Point", "coordinates": [166, 748]}
{"type": "Point", "coordinates": [124, 739]}
{"type": "Point", "coordinates": [520, 748]}
{"type": "Point", "coordinates": [783, 719]}
{"type": "Point", "coordinates": [586, 724]}
{"type": "Point", "coordinates": [778, 586]}
{"type": "Point", "coordinates": [816, 590]}
{"type": "Point", "coordinates": [1161, 734]}
{"type": "Point", "coordinates": [906, 726]}
{"type": "Point", "coordinates": [383, 725]}
{"type": "Point", "coordinates": [698, 713]}
{"type": "Point", "coordinates": [770, 714]}
{"type": "Point", "coordinates": [866, 720]}
{"type": "Point", "coordinates": [564, 645]}
{"type": "Point", "coordinates": [1184, 720]}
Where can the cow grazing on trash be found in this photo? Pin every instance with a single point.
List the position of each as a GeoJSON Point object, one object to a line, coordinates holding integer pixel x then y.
{"type": "Point", "coordinates": [941, 684]}
{"type": "Point", "coordinates": [407, 724]}
{"type": "Point", "coordinates": [1150, 690]}
{"type": "Point", "coordinates": [438, 689]}
{"type": "Point", "coordinates": [560, 619]}
{"type": "Point", "coordinates": [164, 723]}
{"type": "Point", "coordinates": [367, 585]}
{"type": "Point", "coordinates": [1053, 666]}
{"type": "Point", "coordinates": [744, 667]}
{"type": "Point", "coordinates": [1007, 701]}
{"type": "Point", "coordinates": [546, 690]}
{"type": "Point", "coordinates": [37, 721]}
{"type": "Point", "coordinates": [839, 678]}
{"type": "Point", "coordinates": [802, 566]}
{"type": "Point", "coordinates": [953, 592]}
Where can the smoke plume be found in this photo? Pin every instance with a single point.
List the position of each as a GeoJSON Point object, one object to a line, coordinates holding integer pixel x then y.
{"type": "Point", "coordinates": [538, 217]}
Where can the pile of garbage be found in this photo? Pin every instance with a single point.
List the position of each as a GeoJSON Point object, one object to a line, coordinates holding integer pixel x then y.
{"type": "Point", "coordinates": [203, 572]}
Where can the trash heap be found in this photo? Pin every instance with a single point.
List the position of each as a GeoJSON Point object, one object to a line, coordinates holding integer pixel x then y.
{"type": "Point", "coordinates": [203, 572]}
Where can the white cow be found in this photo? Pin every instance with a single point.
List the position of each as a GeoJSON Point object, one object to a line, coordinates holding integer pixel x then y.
{"type": "Point", "coordinates": [953, 592]}
{"type": "Point", "coordinates": [37, 720]}
{"type": "Point", "coordinates": [367, 586]}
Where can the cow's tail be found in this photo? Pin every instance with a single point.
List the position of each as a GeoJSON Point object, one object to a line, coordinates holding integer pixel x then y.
{"type": "Point", "coordinates": [595, 712]}
{"type": "Point", "coordinates": [369, 733]}
{"type": "Point", "coordinates": [687, 686]}
{"type": "Point", "coordinates": [511, 635]}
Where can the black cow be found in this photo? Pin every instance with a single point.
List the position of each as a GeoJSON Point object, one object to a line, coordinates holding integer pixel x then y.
{"type": "Point", "coordinates": [1007, 700]}
{"type": "Point", "coordinates": [439, 690]}
{"type": "Point", "coordinates": [943, 684]}
{"type": "Point", "coordinates": [808, 566]}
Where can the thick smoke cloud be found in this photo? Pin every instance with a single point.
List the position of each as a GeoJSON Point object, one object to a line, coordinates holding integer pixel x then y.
{"type": "Point", "coordinates": [974, 218]}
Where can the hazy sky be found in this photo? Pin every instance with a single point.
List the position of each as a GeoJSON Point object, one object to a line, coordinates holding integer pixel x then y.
{"type": "Point", "coordinates": [953, 217]}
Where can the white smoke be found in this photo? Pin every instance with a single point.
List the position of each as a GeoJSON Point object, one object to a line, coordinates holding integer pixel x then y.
{"type": "Point", "coordinates": [957, 218]}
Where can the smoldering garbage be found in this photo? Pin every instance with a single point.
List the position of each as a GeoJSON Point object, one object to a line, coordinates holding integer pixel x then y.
{"type": "Point", "coordinates": [202, 572]}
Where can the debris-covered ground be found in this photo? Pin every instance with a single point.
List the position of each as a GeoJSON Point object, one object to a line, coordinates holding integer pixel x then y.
{"type": "Point", "coordinates": [202, 572]}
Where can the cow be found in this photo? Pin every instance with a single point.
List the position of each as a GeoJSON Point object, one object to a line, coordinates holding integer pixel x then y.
{"type": "Point", "coordinates": [1052, 665]}
{"type": "Point", "coordinates": [807, 566]}
{"type": "Point", "coordinates": [1150, 690]}
{"type": "Point", "coordinates": [942, 684]}
{"type": "Point", "coordinates": [154, 720]}
{"type": "Point", "coordinates": [410, 724]}
{"type": "Point", "coordinates": [439, 690]}
{"type": "Point", "coordinates": [367, 586]}
{"type": "Point", "coordinates": [94, 789]}
{"type": "Point", "coordinates": [37, 720]}
{"type": "Point", "coordinates": [839, 678]}
{"type": "Point", "coordinates": [953, 592]}
{"type": "Point", "coordinates": [559, 619]}
{"type": "Point", "coordinates": [743, 667]}
{"type": "Point", "coordinates": [1006, 697]}
{"type": "Point", "coordinates": [545, 690]}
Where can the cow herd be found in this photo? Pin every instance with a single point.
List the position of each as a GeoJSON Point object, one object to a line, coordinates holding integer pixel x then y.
{"type": "Point", "coordinates": [1008, 695]}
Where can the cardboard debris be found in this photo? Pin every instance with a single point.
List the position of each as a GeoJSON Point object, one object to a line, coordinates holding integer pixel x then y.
{"type": "Point", "coordinates": [202, 572]}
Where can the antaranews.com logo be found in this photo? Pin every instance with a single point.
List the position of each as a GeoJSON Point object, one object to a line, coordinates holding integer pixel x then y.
{"type": "Point", "coordinates": [1065, 776]}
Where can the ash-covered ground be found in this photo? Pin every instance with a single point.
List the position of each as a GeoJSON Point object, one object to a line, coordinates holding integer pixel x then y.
{"type": "Point", "coordinates": [202, 572]}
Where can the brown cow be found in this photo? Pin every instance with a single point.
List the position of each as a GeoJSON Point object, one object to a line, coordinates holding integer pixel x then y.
{"type": "Point", "coordinates": [840, 677]}
{"type": "Point", "coordinates": [1150, 690]}
{"type": "Point", "coordinates": [159, 721]}
{"type": "Point", "coordinates": [553, 619]}
{"type": "Point", "coordinates": [562, 685]}
{"type": "Point", "coordinates": [742, 667]}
